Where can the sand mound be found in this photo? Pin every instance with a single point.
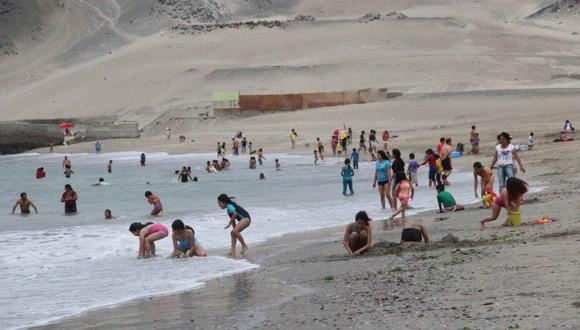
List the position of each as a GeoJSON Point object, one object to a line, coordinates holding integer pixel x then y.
{"type": "Point", "coordinates": [385, 248]}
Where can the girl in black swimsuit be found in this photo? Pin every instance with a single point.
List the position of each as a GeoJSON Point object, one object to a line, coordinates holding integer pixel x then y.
{"type": "Point", "coordinates": [184, 176]}
{"type": "Point", "coordinates": [414, 232]}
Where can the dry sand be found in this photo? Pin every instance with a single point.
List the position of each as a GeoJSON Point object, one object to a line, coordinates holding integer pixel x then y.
{"type": "Point", "coordinates": [458, 63]}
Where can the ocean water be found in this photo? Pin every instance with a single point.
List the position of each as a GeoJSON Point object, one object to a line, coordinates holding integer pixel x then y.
{"type": "Point", "coordinates": [54, 266]}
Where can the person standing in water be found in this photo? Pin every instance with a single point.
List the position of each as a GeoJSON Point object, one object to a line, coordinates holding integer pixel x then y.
{"type": "Point", "coordinates": [143, 158]}
{"type": "Point", "coordinates": [235, 212]}
{"type": "Point", "coordinates": [261, 157]}
{"type": "Point", "coordinates": [110, 166]}
{"type": "Point", "coordinates": [155, 201]}
{"type": "Point", "coordinates": [382, 175]}
{"type": "Point", "coordinates": [68, 171]}
{"type": "Point", "coordinates": [315, 157]}
{"type": "Point", "coordinates": [355, 157]}
{"type": "Point", "coordinates": [358, 235]}
{"type": "Point", "coordinates": [412, 169]}
{"type": "Point", "coordinates": [320, 147]}
{"type": "Point", "coordinates": [446, 161]}
{"type": "Point", "coordinates": [109, 215]}
{"type": "Point", "coordinates": [347, 173]}
{"type": "Point", "coordinates": [404, 191]}
{"type": "Point", "coordinates": [398, 165]}
{"type": "Point", "coordinates": [66, 162]}
{"type": "Point", "coordinates": [277, 164]}
{"type": "Point", "coordinates": [98, 147]}
{"type": "Point", "coordinates": [184, 175]}
{"type": "Point", "coordinates": [244, 145]}
{"type": "Point", "coordinates": [24, 203]}
{"type": "Point", "coordinates": [69, 198]}
{"type": "Point", "coordinates": [148, 233]}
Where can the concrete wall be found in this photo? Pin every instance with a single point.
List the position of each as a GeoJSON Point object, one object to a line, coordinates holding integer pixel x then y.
{"type": "Point", "coordinates": [114, 131]}
{"type": "Point", "coordinates": [16, 137]}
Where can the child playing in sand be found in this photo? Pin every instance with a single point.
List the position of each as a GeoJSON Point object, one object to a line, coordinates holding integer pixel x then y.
{"type": "Point", "coordinates": [354, 157]}
{"type": "Point", "coordinates": [358, 235]}
{"type": "Point", "coordinates": [414, 232]}
{"type": "Point", "coordinates": [486, 176]}
{"type": "Point", "coordinates": [412, 169]}
{"type": "Point", "coordinates": [155, 201]}
{"type": "Point", "coordinates": [148, 233]}
{"type": "Point", "coordinates": [446, 201]}
{"type": "Point", "coordinates": [405, 192]}
{"type": "Point", "coordinates": [347, 173]}
{"type": "Point", "coordinates": [69, 198]}
{"type": "Point", "coordinates": [510, 198]}
{"type": "Point", "coordinates": [24, 204]}
{"type": "Point", "coordinates": [235, 212]}
{"type": "Point", "coordinates": [185, 243]}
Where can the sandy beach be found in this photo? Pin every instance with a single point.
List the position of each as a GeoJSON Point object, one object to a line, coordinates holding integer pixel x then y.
{"type": "Point", "coordinates": [500, 65]}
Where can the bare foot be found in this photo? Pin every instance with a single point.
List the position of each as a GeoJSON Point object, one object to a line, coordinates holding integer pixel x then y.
{"type": "Point", "coordinates": [481, 226]}
{"type": "Point", "coordinates": [244, 249]}
{"type": "Point", "coordinates": [232, 253]}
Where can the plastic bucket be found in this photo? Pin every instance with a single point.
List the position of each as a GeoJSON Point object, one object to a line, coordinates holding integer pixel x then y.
{"type": "Point", "coordinates": [455, 154]}
{"type": "Point", "coordinates": [515, 219]}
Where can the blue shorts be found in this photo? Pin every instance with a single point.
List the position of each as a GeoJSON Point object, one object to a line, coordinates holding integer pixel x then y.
{"type": "Point", "coordinates": [432, 173]}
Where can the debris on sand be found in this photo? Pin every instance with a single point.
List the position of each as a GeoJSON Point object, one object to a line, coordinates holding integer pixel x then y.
{"type": "Point", "coordinates": [201, 28]}
{"type": "Point", "coordinates": [304, 18]}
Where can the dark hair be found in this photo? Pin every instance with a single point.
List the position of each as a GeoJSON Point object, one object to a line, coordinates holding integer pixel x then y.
{"type": "Point", "coordinates": [401, 176]}
{"type": "Point", "coordinates": [137, 226]}
{"type": "Point", "coordinates": [516, 188]}
{"type": "Point", "coordinates": [396, 153]}
{"type": "Point", "coordinates": [383, 155]}
{"type": "Point", "coordinates": [477, 165]}
{"type": "Point", "coordinates": [448, 140]}
{"type": "Point", "coordinates": [226, 199]}
{"type": "Point", "coordinates": [412, 156]}
{"type": "Point", "coordinates": [429, 151]}
{"type": "Point", "coordinates": [148, 193]}
{"type": "Point", "coordinates": [178, 225]}
{"type": "Point", "coordinates": [22, 195]}
{"type": "Point", "coordinates": [362, 215]}
{"type": "Point", "coordinates": [194, 179]}
{"type": "Point", "coordinates": [440, 187]}
{"type": "Point", "coordinates": [354, 150]}
{"type": "Point", "coordinates": [67, 167]}
{"type": "Point", "coordinates": [436, 156]}
{"type": "Point", "coordinates": [532, 133]}
{"type": "Point", "coordinates": [108, 211]}
{"type": "Point", "coordinates": [442, 139]}
{"type": "Point", "coordinates": [347, 161]}
{"type": "Point", "coordinates": [506, 136]}
{"type": "Point", "coordinates": [68, 186]}
{"type": "Point", "coordinates": [101, 180]}
{"type": "Point", "coordinates": [473, 127]}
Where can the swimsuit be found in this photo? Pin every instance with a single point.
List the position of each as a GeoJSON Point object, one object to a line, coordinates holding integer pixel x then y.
{"type": "Point", "coordinates": [70, 206]}
{"type": "Point", "coordinates": [157, 208]}
{"type": "Point", "coordinates": [240, 212]}
{"type": "Point", "coordinates": [184, 178]}
{"type": "Point", "coordinates": [184, 245]}
{"type": "Point", "coordinates": [499, 201]}
{"type": "Point", "coordinates": [381, 169]}
{"type": "Point", "coordinates": [411, 235]}
{"type": "Point", "coordinates": [404, 197]}
{"type": "Point", "coordinates": [156, 228]}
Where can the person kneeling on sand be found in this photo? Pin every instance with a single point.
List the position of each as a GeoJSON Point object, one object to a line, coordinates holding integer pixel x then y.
{"type": "Point", "coordinates": [511, 197]}
{"type": "Point", "coordinates": [446, 201]}
{"type": "Point", "coordinates": [358, 236]}
{"type": "Point", "coordinates": [414, 232]}
{"type": "Point", "coordinates": [185, 243]}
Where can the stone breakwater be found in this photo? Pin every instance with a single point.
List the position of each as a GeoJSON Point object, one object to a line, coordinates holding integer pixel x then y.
{"type": "Point", "coordinates": [16, 137]}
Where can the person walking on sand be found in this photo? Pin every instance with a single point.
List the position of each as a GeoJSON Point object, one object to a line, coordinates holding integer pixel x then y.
{"type": "Point", "coordinates": [531, 141]}
{"type": "Point", "coordinates": [386, 138]}
{"type": "Point", "coordinates": [235, 212]}
{"type": "Point", "coordinates": [350, 134]}
{"type": "Point", "coordinates": [347, 173]}
{"type": "Point", "coordinates": [24, 203]}
{"type": "Point", "coordinates": [440, 145]}
{"type": "Point", "coordinates": [358, 235]}
{"type": "Point", "coordinates": [446, 160]}
{"type": "Point", "coordinates": [293, 137]}
{"type": "Point", "coordinates": [155, 201]}
{"type": "Point", "coordinates": [334, 142]}
{"type": "Point", "coordinates": [69, 198]}
{"type": "Point", "coordinates": [505, 155]}
{"type": "Point", "coordinates": [354, 156]}
{"type": "Point", "coordinates": [414, 232]}
{"type": "Point", "coordinates": [486, 176]}
{"type": "Point", "coordinates": [382, 174]}
{"type": "Point", "coordinates": [315, 157]}
{"type": "Point", "coordinates": [474, 140]}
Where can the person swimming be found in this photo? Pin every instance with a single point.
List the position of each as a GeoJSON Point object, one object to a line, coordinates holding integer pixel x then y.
{"type": "Point", "coordinates": [24, 204]}
{"type": "Point", "coordinates": [185, 242]}
{"type": "Point", "coordinates": [414, 232]}
{"type": "Point", "coordinates": [109, 215]}
{"type": "Point", "coordinates": [155, 201]}
{"type": "Point", "coordinates": [101, 182]}
{"type": "Point", "coordinates": [148, 233]}
{"type": "Point", "coordinates": [358, 235]}
{"type": "Point", "coordinates": [235, 212]}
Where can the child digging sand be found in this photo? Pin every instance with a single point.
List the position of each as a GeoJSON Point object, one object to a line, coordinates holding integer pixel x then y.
{"type": "Point", "coordinates": [446, 201]}
{"type": "Point", "coordinates": [148, 233]}
{"type": "Point", "coordinates": [185, 243]}
{"type": "Point", "coordinates": [358, 236]}
{"type": "Point", "coordinates": [510, 198]}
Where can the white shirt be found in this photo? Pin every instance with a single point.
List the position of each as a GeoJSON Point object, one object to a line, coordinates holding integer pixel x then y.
{"type": "Point", "coordinates": [505, 156]}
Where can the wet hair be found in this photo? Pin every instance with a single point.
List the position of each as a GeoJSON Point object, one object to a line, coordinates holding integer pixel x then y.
{"type": "Point", "coordinates": [401, 176]}
{"type": "Point", "coordinates": [178, 225]}
{"type": "Point", "coordinates": [396, 153]}
{"type": "Point", "coordinates": [362, 215]}
{"type": "Point", "coordinates": [262, 176]}
{"type": "Point", "coordinates": [137, 226]}
{"type": "Point", "coordinates": [506, 136]}
{"type": "Point", "coordinates": [440, 187]}
{"type": "Point", "coordinates": [223, 198]}
{"type": "Point", "coordinates": [383, 155]}
{"type": "Point", "coordinates": [194, 179]}
{"type": "Point", "coordinates": [411, 156]}
{"type": "Point", "coordinates": [67, 186]}
{"type": "Point", "coordinates": [176, 171]}
{"type": "Point", "coordinates": [429, 151]}
{"type": "Point", "coordinates": [347, 161]}
{"type": "Point", "coordinates": [22, 195]}
{"type": "Point", "coordinates": [208, 162]}
{"type": "Point", "coordinates": [477, 165]}
{"type": "Point", "coordinates": [148, 193]}
{"type": "Point", "coordinates": [516, 188]}
{"type": "Point", "coordinates": [473, 127]}
{"type": "Point", "coordinates": [101, 180]}
{"type": "Point", "coordinates": [442, 139]}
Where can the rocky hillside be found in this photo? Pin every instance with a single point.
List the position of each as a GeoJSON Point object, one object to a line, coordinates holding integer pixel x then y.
{"type": "Point", "coordinates": [561, 7]}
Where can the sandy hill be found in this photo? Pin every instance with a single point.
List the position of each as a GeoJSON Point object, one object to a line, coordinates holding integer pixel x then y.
{"type": "Point", "coordinates": [161, 60]}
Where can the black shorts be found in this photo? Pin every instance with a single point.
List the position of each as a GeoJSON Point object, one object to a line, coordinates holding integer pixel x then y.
{"type": "Point", "coordinates": [411, 235]}
{"type": "Point", "coordinates": [382, 183]}
{"type": "Point", "coordinates": [446, 163]}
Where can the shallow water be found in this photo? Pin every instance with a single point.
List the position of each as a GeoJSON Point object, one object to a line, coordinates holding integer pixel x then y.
{"type": "Point", "coordinates": [82, 262]}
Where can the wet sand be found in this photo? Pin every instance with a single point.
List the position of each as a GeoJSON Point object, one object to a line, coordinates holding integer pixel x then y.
{"type": "Point", "coordinates": [466, 278]}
